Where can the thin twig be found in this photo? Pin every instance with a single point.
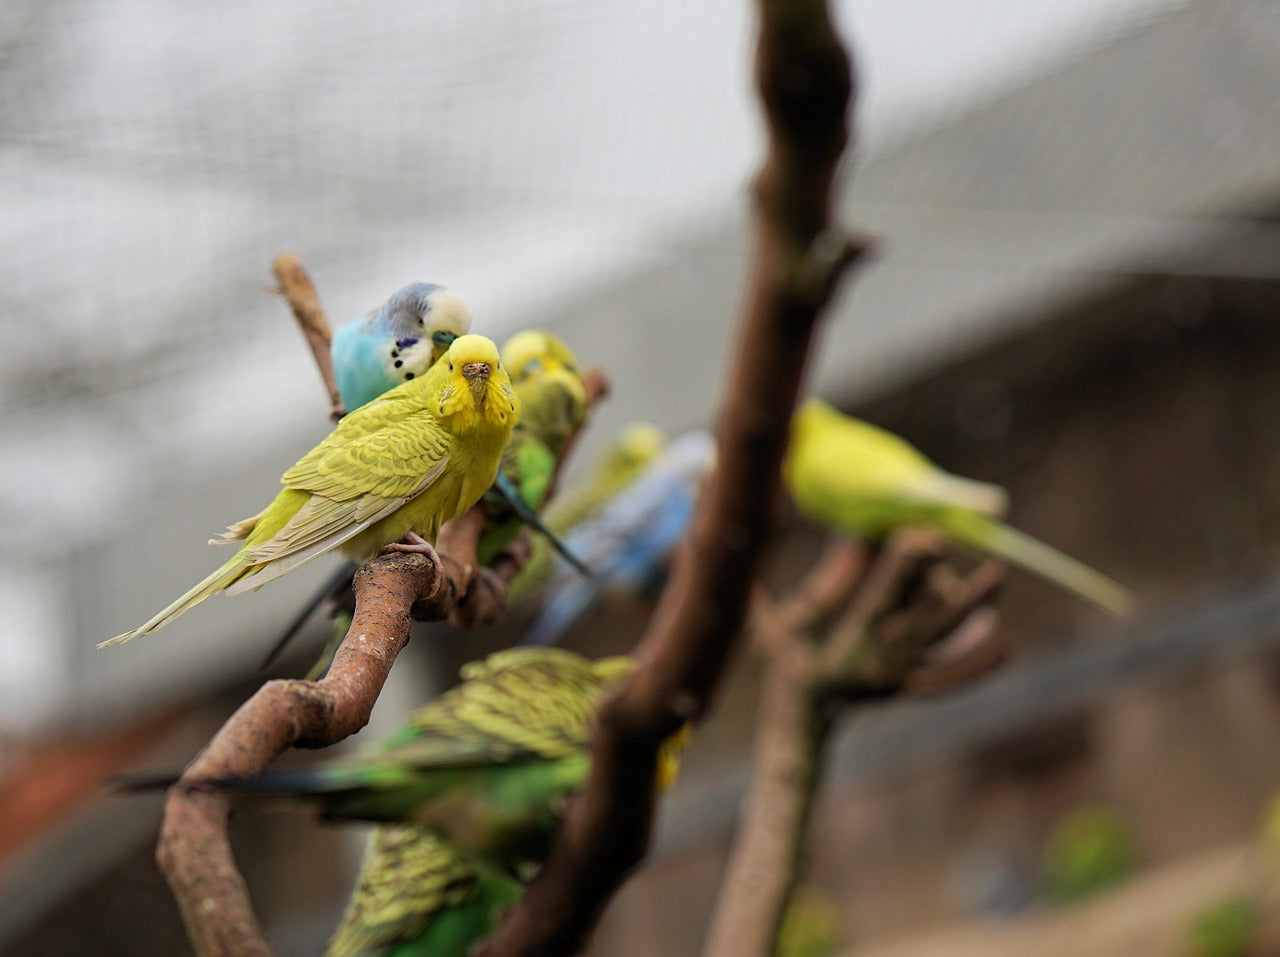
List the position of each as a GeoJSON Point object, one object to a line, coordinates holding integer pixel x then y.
{"type": "Point", "coordinates": [762, 871]}
{"type": "Point", "coordinates": [296, 287]}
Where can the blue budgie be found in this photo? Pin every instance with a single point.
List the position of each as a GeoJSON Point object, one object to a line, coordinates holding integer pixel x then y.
{"type": "Point", "coordinates": [397, 341]}
{"type": "Point", "coordinates": [628, 541]}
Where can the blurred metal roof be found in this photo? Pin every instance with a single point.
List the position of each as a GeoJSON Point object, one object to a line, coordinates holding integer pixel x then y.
{"type": "Point", "coordinates": [558, 163]}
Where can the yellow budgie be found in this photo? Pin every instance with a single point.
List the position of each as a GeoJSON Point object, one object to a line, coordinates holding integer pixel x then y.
{"type": "Point", "coordinates": [866, 482]}
{"type": "Point", "coordinates": [398, 466]}
{"type": "Point", "coordinates": [535, 352]}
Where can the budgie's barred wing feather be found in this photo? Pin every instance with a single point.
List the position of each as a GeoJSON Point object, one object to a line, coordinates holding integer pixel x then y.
{"type": "Point", "coordinates": [515, 705]}
{"type": "Point", "coordinates": [355, 479]}
{"type": "Point", "coordinates": [370, 458]}
{"type": "Point", "coordinates": [407, 878]}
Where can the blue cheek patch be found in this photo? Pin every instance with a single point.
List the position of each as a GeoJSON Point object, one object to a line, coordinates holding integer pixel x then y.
{"type": "Point", "coordinates": [405, 343]}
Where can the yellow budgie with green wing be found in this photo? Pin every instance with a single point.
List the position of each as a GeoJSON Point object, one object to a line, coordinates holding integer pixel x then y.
{"type": "Point", "coordinates": [865, 482]}
{"type": "Point", "coordinates": [401, 465]}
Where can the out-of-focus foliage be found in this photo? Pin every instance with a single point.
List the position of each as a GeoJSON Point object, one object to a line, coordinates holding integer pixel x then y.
{"type": "Point", "coordinates": [1223, 929]}
{"type": "Point", "coordinates": [810, 927]}
{"type": "Point", "coordinates": [1089, 849]}
{"type": "Point", "coordinates": [1269, 836]}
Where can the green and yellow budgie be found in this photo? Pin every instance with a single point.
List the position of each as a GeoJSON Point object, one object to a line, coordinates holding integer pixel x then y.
{"type": "Point", "coordinates": [485, 766]}
{"type": "Point", "coordinates": [520, 724]}
{"type": "Point", "coordinates": [419, 897]}
{"type": "Point", "coordinates": [865, 482]}
{"type": "Point", "coordinates": [553, 404]}
{"type": "Point", "coordinates": [398, 466]}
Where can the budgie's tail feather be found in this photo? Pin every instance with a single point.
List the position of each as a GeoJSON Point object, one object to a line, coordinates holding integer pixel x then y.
{"type": "Point", "coordinates": [980, 496]}
{"type": "Point", "coordinates": [1033, 555]}
{"type": "Point", "coordinates": [237, 532]}
{"type": "Point", "coordinates": [284, 782]}
{"type": "Point", "coordinates": [226, 574]}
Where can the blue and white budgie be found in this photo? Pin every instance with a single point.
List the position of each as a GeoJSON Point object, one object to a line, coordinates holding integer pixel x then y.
{"type": "Point", "coordinates": [629, 540]}
{"type": "Point", "coordinates": [397, 341]}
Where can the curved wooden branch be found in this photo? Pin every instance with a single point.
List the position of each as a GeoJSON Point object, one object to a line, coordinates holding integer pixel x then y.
{"type": "Point", "coordinates": [805, 81]}
{"type": "Point", "coordinates": [296, 287]}
{"type": "Point", "coordinates": [193, 853]}
{"type": "Point", "coordinates": [814, 654]}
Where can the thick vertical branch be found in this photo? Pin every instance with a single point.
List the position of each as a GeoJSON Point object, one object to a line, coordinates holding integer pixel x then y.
{"type": "Point", "coordinates": [805, 82]}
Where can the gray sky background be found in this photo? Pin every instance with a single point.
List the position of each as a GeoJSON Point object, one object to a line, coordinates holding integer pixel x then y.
{"type": "Point", "coordinates": [155, 157]}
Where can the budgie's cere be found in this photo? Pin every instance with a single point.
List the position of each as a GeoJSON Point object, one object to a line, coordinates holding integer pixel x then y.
{"type": "Point", "coordinates": [866, 482]}
{"type": "Point", "coordinates": [397, 342]}
{"type": "Point", "coordinates": [421, 454]}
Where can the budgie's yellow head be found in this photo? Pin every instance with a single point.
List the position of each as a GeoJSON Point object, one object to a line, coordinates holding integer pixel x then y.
{"type": "Point", "coordinates": [807, 423]}
{"type": "Point", "coordinates": [637, 444]}
{"type": "Point", "coordinates": [812, 412]}
{"type": "Point", "coordinates": [473, 384]}
{"type": "Point", "coordinates": [534, 351]}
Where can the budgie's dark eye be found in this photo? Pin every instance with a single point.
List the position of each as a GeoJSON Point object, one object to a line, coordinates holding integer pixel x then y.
{"type": "Point", "coordinates": [450, 366]}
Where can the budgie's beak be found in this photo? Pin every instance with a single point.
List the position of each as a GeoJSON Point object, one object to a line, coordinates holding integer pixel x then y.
{"type": "Point", "coordinates": [443, 339]}
{"type": "Point", "coordinates": [477, 376]}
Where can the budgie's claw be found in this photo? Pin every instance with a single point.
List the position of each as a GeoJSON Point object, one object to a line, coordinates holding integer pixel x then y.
{"type": "Point", "coordinates": [414, 544]}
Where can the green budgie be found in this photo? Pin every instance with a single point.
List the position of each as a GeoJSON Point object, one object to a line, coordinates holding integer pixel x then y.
{"type": "Point", "coordinates": [866, 482]}
{"type": "Point", "coordinates": [418, 897]}
{"type": "Point", "coordinates": [486, 766]}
